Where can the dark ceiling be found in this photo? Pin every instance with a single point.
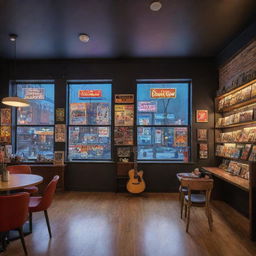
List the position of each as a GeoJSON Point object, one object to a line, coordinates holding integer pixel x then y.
{"type": "Point", "coordinates": [121, 28]}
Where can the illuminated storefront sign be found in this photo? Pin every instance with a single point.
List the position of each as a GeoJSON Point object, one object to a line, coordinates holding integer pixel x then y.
{"type": "Point", "coordinates": [162, 93]}
{"type": "Point", "coordinates": [34, 93]}
{"type": "Point", "coordinates": [90, 93]}
{"type": "Point", "coordinates": [147, 106]}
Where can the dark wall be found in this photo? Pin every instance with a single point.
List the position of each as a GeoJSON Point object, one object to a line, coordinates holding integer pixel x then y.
{"type": "Point", "coordinates": [124, 72]}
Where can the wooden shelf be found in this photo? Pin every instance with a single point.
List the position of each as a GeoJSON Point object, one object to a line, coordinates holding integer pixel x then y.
{"type": "Point", "coordinates": [238, 105]}
{"type": "Point", "coordinates": [236, 142]}
{"type": "Point", "coordinates": [237, 124]}
{"type": "Point", "coordinates": [232, 91]}
{"type": "Point", "coordinates": [236, 159]}
{"type": "Point", "coordinates": [235, 180]}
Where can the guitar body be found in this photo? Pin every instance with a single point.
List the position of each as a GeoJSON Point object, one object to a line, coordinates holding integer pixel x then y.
{"type": "Point", "coordinates": [136, 184]}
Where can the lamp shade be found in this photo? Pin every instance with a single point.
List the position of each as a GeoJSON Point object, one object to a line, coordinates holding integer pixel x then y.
{"type": "Point", "coordinates": [15, 102]}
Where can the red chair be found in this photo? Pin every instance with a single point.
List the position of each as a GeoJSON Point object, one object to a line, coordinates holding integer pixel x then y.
{"type": "Point", "coordinates": [23, 169]}
{"type": "Point", "coordinates": [14, 213]}
{"type": "Point", "coordinates": [42, 203]}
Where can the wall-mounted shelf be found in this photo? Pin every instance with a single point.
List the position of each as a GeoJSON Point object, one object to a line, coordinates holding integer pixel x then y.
{"type": "Point", "coordinates": [235, 180]}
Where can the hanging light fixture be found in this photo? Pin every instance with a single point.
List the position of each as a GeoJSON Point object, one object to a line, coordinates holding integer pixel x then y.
{"type": "Point", "coordinates": [15, 101]}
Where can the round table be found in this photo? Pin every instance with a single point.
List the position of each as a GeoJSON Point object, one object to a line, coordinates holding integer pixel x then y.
{"type": "Point", "coordinates": [19, 181]}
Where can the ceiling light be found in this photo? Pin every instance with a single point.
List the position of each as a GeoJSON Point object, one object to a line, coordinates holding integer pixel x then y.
{"type": "Point", "coordinates": [15, 102]}
{"type": "Point", "coordinates": [155, 6]}
{"type": "Point", "coordinates": [13, 37]}
{"type": "Point", "coordinates": [84, 38]}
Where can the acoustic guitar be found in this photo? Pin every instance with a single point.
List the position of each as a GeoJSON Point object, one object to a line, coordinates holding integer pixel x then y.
{"type": "Point", "coordinates": [136, 184]}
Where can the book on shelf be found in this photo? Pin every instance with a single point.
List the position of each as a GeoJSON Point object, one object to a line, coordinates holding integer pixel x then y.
{"type": "Point", "coordinates": [245, 152]}
{"type": "Point", "coordinates": [253, 154]}
{"type": "Point", "coordinates": [253, 91]}
{"type": "Point", "coordinates": [244, 173]}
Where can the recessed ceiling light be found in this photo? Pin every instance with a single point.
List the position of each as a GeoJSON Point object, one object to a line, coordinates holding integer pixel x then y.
{"type": "Point", "coordinates": [84, 38]}
{"type": "Point", "coordinates": [13, 37]}
{"type": "Point", "coordinates": [155, 6]}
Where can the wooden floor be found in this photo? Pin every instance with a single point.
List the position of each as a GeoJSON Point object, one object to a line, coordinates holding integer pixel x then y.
{"type": "Point", "coordinates": [109, 224]}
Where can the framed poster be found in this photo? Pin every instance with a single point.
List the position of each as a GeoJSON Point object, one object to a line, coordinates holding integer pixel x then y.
{"type": "Point", "coordinates": [203, 151]}
{"type": "Point", "coordinates": [124, 115]}
{"type": "Point", "coordinates": [60, 114]}
{"type": "Point", "coordinates": [58, 158]}
{"type": "Point", "coordinates": [60, 132]}
{"type": "Point", "coordinates": [5, 134]}
{"type": "Point", "coordinates": [6, 116]}
{"type": "Point", "coordinates": [78, 114]}
{"type": "Point", "coordinates": [180, 137]}
{"type": "Point", "coordinates": [202, 134]}
{"type": "Point", "coordinates": [124, 98]}
{"type": "Point", "coordinates": [123, 135]}
{"type": "Point", "coordinates": [123, 151]}
{"type": "Point", "coordinates": [202, 116]}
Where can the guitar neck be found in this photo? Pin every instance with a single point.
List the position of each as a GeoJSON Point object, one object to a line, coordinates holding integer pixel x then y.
{"type": "Point", "coordinates": [135, 161]}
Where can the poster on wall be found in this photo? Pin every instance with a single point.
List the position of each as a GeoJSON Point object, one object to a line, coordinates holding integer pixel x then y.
{"type": "Point", "coordinates": [123, 135]}
{"type": "Point", "coordinates": [123, 151]}
{"type": "Point", "coordinates": [60, 132]}
{"type": "Point", "coordinates": [102, 113]}
{"type": "Point", "coordinates": [5, 134]}
{"type": "Point", "coordinates": [203, 151]}
{"type": "Point", "coordinates": [58, 158]}
{"type": "Point", "coordinates": [78, 113]}
{"type": "Point", "coordinates": [6, 116]}
{"type": "Point", "coordinates": [180, 137]}
{"type": "Point", "coordinates": [202, 116]}
{"type": "Point", "coordinates": [60, 114]}
{"type": "Point", "coordinates": [124, 98]}
{"type": "Point", "coordinates": [124, 115]}
{"type": "Point", "coordinates": [202, 134]}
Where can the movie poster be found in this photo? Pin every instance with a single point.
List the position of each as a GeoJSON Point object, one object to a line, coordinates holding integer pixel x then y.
{"type": "Point", "coordinates": [124, 115]}
{"type": "Point", "coordinates": [202, 135]}
{"type": "Point", "coordinates": [6, 116]}
{"type": "Point", "coordinates": [5, 134]}
{"type": "Point", "coordinates": [60, 132]}
{"type": "Point", "coordinates": [203, 151]}
{"type": "Point", "coordinates": [103, 113]}
{"type": "Point", "coordinates": [60, 114]}
{"type": "Point", "coordinates": [123, 136]}
{"type": "Point", "coordinates": [202, 116]}
{"type": "Point", "coordinates": [78, 114]}
{"type": "Point", "coordinates": [180, 137]}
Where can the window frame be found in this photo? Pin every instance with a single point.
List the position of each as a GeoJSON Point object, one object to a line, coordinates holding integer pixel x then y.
{"type": "Point", "coordinates": [188, 126]}
{"type": "Point", "coordinates": [69, 83]}
{"type": "Point", "coordinates": [15, 116]}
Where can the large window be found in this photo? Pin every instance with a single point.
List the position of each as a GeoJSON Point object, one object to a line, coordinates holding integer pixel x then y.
{"type": "Point", "coordinates": [163, 121]}
{"type": "Point", "coordinates": [89, 121]}
{"type": "Point", "coordinates": [35, 124]}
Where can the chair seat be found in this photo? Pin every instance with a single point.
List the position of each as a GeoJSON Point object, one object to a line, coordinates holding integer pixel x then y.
{"type": "Point", "coordinates": [31, 189]}
{"type": "Point", "coordinates": [34, 201]}
{"type": "Point", "coordinates": [197, 198]}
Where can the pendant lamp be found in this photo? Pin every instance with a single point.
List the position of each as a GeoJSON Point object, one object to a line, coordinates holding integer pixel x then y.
{"type": "Point", "coordinates": [15, 101]}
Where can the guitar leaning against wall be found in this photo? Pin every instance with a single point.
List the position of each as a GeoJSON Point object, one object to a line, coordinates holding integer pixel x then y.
{"type": "Point", "coordinates": [136, 184]}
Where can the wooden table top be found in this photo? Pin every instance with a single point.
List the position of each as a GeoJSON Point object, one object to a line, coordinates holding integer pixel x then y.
{"type": "Point", "coordinates": [235, 180]}
{"type": "Point", "coordinates": [18, 181]}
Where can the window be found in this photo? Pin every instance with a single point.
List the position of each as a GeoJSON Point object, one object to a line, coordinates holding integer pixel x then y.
{"type": "Point", "coordinates": [90, 121]}
{"type": "Point", "coordinates": [163, 120]}
{"type": "Point", "coordinates": [35, 124]}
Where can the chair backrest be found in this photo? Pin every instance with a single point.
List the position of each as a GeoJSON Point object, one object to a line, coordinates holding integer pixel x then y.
{"type": "Point", "coordinates": [197, 184]}
{"type": "Point", "coordinates": [48, 194]}
{"type": "Point", "coordinates": [19, 169]}
{"type": "Point", "coordinates": [201, 184]}
{"type": "Point", "coordinates": [13, 211]}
